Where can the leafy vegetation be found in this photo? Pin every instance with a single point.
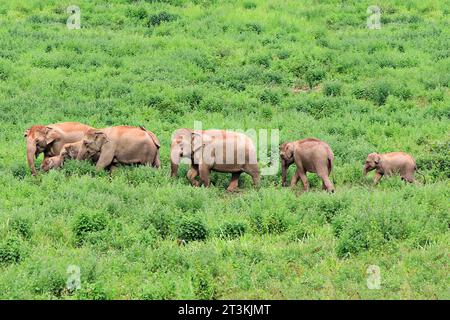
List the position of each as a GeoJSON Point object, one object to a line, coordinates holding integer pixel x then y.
{"type": "Point", "coordinates": [307, 69]}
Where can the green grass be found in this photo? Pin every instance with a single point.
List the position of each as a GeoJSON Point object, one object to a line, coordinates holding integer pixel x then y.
{"type": "Point", "coordinates": [310, 69]}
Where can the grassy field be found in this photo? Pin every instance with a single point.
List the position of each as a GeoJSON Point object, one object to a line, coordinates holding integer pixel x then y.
{"type": "Point", "coordinates": [307, 68]}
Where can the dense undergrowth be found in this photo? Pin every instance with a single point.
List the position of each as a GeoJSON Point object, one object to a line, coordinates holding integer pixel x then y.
{"type": "Point", "coordinates": [307, 69]}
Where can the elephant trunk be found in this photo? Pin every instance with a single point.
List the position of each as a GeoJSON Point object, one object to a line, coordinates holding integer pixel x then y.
{"type": "Point", "coordinates": [81, 153]}
{"type": "Point", "coordinates": [283, 172]}
{"type": "Point", "coordinates": [174, 161]}
{"type": "Point", "coordinates": [366, 169]}
{"type": "Point", "coordinates": [31, 155]}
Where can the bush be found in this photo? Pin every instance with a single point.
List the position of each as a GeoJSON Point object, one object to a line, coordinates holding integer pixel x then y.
{"type": "Point", "coordinates": [332, 88]}
{"type": "Point", "coordinates": [160, 220]}
{"type": "Point", "coordinates": [87, 223]}
{"type": "Point", "coordinates": [232, 230]}
{"type": "Point", "coordinates": [377, 92]}
{"type": "Point", "coordinates": [314, 76]}
{"type": "Point", "coordinates": [161, 17]}
{"type": "Point", "coordinates": [203, 284]}
{"type": "Point", "coordinates": [192, 228]}
{"type": "Point", "coordinates": [10, 251]}
{"type": "Point", "coordinates": [22, 226]}
{"type": "Point", "coordinates": [268, 222]}
{"type": "Point", "coordinates": [19, 171]}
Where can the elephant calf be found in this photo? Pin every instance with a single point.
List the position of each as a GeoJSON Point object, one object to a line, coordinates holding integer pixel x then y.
{"type": "Point", "coordinates": [69, 151]}
{"type": "Point", "coordinates": [309, 155]}
{"type": "Point", "coordinates": [389, 164]}
{"type": "Point", "coordinates": [120, 144]}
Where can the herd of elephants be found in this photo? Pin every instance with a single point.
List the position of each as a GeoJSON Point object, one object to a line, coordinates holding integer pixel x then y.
{"type": "Point", "coordinates": [207, 150]}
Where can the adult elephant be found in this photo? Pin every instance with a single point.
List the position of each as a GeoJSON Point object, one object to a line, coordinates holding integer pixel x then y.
{"type": "Point", "coordinates": [51, 139]}
{"type": "Point", "coordinates": [120, 145]}
{"type": "Point", "coordinates": [214, 150]}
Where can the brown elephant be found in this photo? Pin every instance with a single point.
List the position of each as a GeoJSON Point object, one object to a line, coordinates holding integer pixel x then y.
{"type": "Point", "coordinates": [120, 145]}
{"type": "Point", "coordinates": [50, 139]}
{"type": "Point", "coordinates": [309, 155]}
{"type": "Point", "coordinates": [214, 150]}
{"type": "Point", "coordinates": [69, 151]}
{"type": "Point", "coordinates": [389, 164]}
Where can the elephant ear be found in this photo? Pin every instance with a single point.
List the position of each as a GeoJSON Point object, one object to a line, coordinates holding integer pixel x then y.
{"type": "Point", "coordinates": [377, 158]}
{"type": "Point", "coordinates": [289, 150]}
{"type": "Point", "coordinates": [51, 134]}
{"type": "Point", "coordinates": [181, 134]}
{"type": "Point", "coordinates": [200, 141]}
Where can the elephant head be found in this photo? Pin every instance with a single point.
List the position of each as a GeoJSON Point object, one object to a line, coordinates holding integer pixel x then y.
{"type": "Point", "coordinates": [372, 162]}
{"type": "Point", "coordinates": [287, 158]}
{"type": "Point", "coordinates": [180, 148]}
{"type": "Point", "coordinates": [92, 144]}
{"type": "Point", "coordinates": [52, 163]}
{"type": "Point", "coordinates": [38, 139]}
{"type": "Point", "coordinates": [71, 150]}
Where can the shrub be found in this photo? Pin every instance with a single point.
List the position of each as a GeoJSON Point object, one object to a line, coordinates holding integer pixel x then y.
{"type": "Point", "coordinates": [232, 230]}
{"type": "Point", "coordinates": [10, 251]}
{"type": "Point", "coordinates": [332, 88]}
{"type": "Point", "coordinates": [192, 228]}
{"type": "Point", "coordinates": [160, 220]}
{"type": "Point", "coordinates": [249, 5]}
{"type": "Point", "coordinates": [203, 284]}
{"type": "Point", "coordinates": [269, 222]}
{"type": "Point", "coordinates": [19, 171]}
{"type": "Point", "coordinates": [314, 76]}
{"type": "Point", "coordinates": [158, 18]}
{"type": "Point", "coordinates": [377, 92]}
{"type": "Point", "coordinates": [86, 223]}
{"type": "Point", "coordinates": [22, 226]}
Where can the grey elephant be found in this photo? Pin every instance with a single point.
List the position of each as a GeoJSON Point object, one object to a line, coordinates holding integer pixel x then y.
{"type": "Point", "coordinates": [120, 145]}
{"type": "Point", "coordinates": [387, 164]}
{"type": "Point", "coordinates": [309, 155]}
{"type": "Point", "coordinates": [51, 139]}
{"type": "Point", "coordinates": [214, 150]}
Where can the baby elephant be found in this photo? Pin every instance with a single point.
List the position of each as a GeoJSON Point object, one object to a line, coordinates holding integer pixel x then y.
{"type": "Point", "coordinates": [389, 164]}
{"type": "Point", "coordinates": [309, 155]}
{"type": "Point", "coordinates": [69, 151]}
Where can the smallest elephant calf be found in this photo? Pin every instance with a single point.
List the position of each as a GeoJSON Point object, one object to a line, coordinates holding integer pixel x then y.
{"type": "Point", "coordinates": [389, 164]}
{"type": "Point", "coordinates": [69, 151]}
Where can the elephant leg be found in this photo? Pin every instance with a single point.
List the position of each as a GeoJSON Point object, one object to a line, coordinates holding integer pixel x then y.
{"type": "Point", "coordinates": [295, 178]}
{"type": "Point", "coordinates": [377, 177]}
{"type": "Point", "coordinates": [304, 179]}
{"type": "Point", "coordinates": [192, 174]}
{"type": "Point", "coordinates": [205, 172]}
{"type": "Point", "coordinates": [408, 178]}
{"type": "Point", "coordinates": [234, 181]}
{"type": "Point", "coordinates": [327, 184]}
{"type": "Point", "coordinates": [254, 173]}
{"type": "Point", "coordinates": [112, 168]}
{"type": "Point", "coordinates": [106, 158]}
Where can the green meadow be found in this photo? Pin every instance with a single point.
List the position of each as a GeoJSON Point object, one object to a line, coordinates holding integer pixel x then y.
{"type": "Point", "coordinates": [307, 68]}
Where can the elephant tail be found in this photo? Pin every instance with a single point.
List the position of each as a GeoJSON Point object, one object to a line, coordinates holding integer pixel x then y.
{"type": "Point", "coordinates": [157, 162]}
{"type": "Point", "coordinates": [152, 136]}
{"type": "Point", "coordinates": [330, 159]}
{"type": "Point", "coordinates": [421, 173]}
